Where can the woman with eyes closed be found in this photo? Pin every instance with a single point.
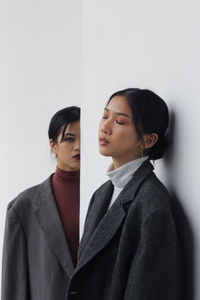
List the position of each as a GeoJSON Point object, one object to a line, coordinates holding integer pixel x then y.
{"type": "Point", "coordinates": [42, 224]}
{"type": "Point", "coordinates": [129, 249]}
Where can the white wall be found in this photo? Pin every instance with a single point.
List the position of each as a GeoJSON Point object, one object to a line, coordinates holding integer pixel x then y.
{"type": "Point", "coordinates": [40, 73]}
{"type": "Point", "coordinates": [152, 44]}
{"type": "Point", "coordinates": [141, 43]}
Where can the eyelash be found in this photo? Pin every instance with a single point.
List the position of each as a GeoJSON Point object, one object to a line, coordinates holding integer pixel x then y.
{"type": "Point", "coordinates": [69, 140]}
{"type": "Point", "coordinates": [120, 123]}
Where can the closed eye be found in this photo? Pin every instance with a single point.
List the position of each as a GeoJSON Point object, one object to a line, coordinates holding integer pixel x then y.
{"type": "Point", "coordinates": [120, 123]}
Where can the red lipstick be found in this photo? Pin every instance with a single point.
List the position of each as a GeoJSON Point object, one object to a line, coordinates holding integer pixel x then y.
{"type": "Point", "coordinates": [77, 156]}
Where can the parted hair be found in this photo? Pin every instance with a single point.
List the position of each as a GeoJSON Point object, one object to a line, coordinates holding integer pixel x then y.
{"type": "Point", "coordinates": [60, 121]}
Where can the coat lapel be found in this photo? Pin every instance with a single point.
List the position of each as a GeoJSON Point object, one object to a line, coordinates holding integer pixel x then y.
{"type": "Point", "coordinates": [47, 215]}
{"type": "Point", "coordinates": [99, 209]}
{"type": "Point", "coordinates": [103, 233]}
{"type": "Point", "coordinates": [102, 224]}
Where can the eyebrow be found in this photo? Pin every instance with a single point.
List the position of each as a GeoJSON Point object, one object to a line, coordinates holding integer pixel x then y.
{"type": "Point", "coordinates": [118, 113]}
{"type": "Point", "coordinates": [70, 134]}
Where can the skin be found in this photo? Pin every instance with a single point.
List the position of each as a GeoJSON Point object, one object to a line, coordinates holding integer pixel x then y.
{"type": "Point", "coordinates": [66, 150]}
{"type": "Point", "coordinates": [117, 134]}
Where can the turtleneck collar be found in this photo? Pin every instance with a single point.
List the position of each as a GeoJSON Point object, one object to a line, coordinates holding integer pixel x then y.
{"type": "Point", "coordinates": [67, 175]}
{"type": "Point", "coordinates": [123, 174]}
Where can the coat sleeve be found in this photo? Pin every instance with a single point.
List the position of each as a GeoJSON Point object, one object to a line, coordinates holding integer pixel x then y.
{"type": "Point", "coordinates": [14, 264]}
{"type": "Point", "coordinates": [156, 268]}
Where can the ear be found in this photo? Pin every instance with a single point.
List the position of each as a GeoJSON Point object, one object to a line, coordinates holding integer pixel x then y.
{"type": "Point", "coordinates": [53, 146]}
{"type": "Point", "coordinates": [150, 140]}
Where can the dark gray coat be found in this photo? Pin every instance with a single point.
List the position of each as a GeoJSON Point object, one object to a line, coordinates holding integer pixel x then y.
{"type": "Point", "coordinates": [131, 251]}
{"type": "Point", "coordinates": [36, 259]}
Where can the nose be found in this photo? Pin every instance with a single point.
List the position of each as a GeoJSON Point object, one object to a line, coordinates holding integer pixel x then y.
{"type": "Point", "coordinates": [105, 127]}
{"type": "Point", "coordinates": [77, 145]}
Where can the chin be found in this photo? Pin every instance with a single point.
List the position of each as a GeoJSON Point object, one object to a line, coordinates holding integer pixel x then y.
{"type": "Point", "coordinates": [75, 168]}
{"type": "Point", "coordinates": [104, 152]}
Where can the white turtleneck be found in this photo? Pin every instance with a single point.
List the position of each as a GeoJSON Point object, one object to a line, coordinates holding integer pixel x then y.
{"type": "Point", "coordinates": [121, 176]}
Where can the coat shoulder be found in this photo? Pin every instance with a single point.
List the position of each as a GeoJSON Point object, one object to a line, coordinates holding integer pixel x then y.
{"type": "Point", "coordinates": [25, 199]}
{"type": "Point", "coordinates": [103, 187]}
{"type": "Point", "coordinates": [153, 195]}
{"type": "Point", "coordinates": [153, 184]}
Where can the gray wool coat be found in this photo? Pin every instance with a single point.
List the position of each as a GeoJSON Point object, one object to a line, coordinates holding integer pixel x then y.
{"type": "Point", "coordinates": [130, 251]}
{"type": "Point", "coordinates": [37, 263]}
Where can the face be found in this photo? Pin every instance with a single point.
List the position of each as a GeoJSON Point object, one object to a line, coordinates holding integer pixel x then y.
{"type": "Point", "coordinates": [117, 134]}
{"type": "Point", "coordinates": [68, 150]}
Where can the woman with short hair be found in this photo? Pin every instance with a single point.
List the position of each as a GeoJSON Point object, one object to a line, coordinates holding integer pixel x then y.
{"type": "Point", "coordinates": [42, 223]}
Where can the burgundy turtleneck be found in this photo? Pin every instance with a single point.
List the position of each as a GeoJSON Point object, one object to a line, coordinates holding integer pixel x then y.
{"type": "Point", "coordinates": [66, 187]}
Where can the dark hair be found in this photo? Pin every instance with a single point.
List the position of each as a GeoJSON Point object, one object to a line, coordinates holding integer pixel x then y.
{"type": "Point", "coordinates": [150, 115]}
{"type": "Point", "coordinates": [62, 118]}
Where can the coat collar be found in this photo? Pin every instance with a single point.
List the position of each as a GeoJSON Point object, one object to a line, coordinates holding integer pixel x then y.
{"type": "Point", "coordinates": [47, 215]}
{"type": "Point", "coordinates": [102, 224]}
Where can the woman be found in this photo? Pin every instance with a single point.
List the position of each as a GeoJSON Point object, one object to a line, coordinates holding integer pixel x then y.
{"type": "Point", "coordinates": [42, 224]}
{"type": "Point", "coordinates": [129, 249]}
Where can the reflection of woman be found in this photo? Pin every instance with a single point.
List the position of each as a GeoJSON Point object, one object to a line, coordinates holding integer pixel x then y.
{"type": "Point", "coordinates": [129, 249]}
{"type": "Point", "coordinates": [42, 224]}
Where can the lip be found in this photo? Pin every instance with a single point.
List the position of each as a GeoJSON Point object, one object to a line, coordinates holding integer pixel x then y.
{"type": "Point", "coordinates": [77, 156]}
{"type": "Point", "coordinates": [103, 141]}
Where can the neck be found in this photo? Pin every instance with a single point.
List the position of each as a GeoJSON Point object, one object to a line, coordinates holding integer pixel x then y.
{"type": "Point", "coordinates": [67, 175]}
{"type": "Point", "coordinates": [67, 168]}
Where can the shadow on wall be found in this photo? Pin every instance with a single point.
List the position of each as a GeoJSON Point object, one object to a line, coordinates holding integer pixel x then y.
{"type": "Point", "coordinates": [184, 228]}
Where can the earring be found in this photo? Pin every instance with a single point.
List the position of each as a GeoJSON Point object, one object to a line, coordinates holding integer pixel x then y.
{"type": "Point", "coordinates": [142, 154]}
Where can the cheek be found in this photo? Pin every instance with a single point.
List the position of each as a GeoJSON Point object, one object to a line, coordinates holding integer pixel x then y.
{"type": "Point", "coordinates": [121, 133]}
{"type": "Point", "coordinates": [66, 149]}
{"type": "Point", "coordinates": [126, 138]}
{"type": "Point", "coordinates": [120, 136]}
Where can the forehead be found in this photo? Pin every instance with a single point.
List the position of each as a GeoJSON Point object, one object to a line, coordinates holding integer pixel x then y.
{"type": "Point", "coordinates": [73, 128]}
{"type": "Point", "coordinates": [119, 104]}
